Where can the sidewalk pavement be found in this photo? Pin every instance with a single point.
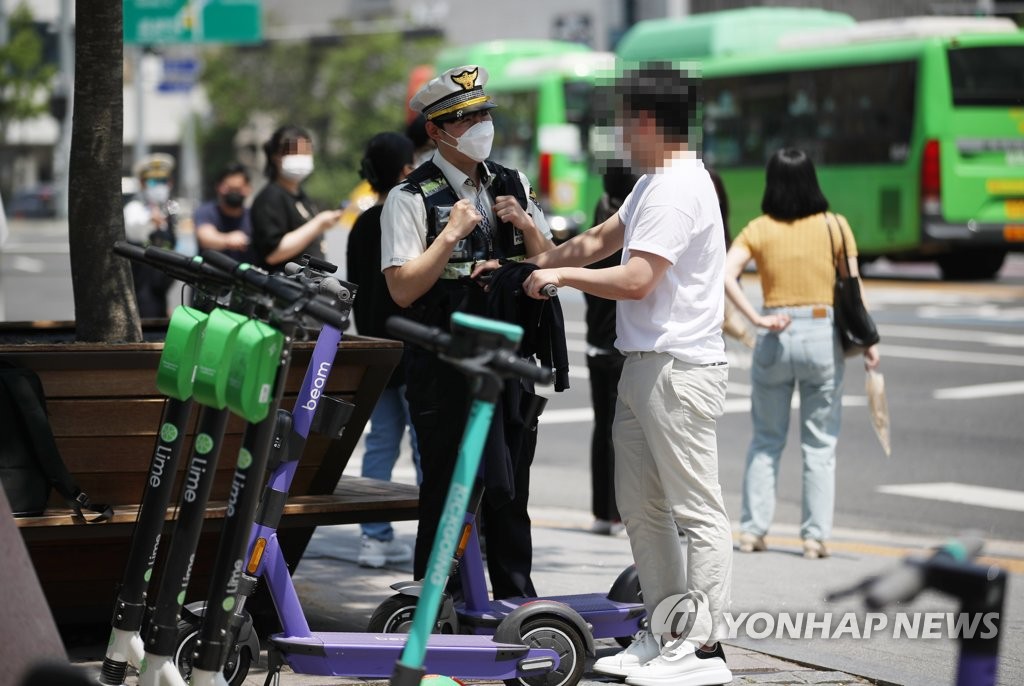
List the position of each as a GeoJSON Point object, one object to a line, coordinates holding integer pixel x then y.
{"type": "Point", "coordinates": [338, 595]}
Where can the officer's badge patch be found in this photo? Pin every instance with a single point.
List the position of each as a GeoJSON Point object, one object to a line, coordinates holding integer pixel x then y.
{"type": "Point", "coordinates": [466, 79]}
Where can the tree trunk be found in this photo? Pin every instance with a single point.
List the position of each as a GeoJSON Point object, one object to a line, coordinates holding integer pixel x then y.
{"type": "Point", "coordinates": [105, 308]}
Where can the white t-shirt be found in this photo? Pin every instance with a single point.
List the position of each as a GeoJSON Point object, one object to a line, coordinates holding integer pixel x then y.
{"type": "Point", "coordinates": [674, 213]}
{"type": "Point", "coordinates": [403, 220]}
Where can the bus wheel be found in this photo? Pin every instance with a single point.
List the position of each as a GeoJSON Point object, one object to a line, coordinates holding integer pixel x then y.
{"type": "Point", "coordinates": [971, 265]}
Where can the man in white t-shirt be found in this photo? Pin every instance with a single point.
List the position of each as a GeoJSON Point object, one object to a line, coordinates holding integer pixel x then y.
{"type": "Point", "coordinates": [670, 294]}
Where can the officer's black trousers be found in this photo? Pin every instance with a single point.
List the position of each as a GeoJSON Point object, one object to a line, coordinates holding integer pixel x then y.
{"type": "Point", "coordinates": [439, 402]}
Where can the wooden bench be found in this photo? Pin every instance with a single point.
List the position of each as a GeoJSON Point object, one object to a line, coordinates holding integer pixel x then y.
{"type": "Point", "coordinates": [105, 410]}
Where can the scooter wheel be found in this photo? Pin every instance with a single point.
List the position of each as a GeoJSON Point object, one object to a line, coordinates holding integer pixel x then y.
{"type": "Point", "coordinates": [563, 638]}
{"type": "Point", "coordinates": [393, 616]}
{"type": "Point", "coordinates": [235, 669]}
{"type": "Point", "coordinates": [626, 589]}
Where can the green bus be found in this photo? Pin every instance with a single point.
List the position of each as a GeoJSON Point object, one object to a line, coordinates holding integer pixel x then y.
{"type": "Point", "coordinates": [544, 90]}
{"type": "Point", "coordinates": [916, 126]}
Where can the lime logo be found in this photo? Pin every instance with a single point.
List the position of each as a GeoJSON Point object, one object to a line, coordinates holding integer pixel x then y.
{"type": "Point", "coordinates": [228, 604]}
{"type": "Point", "coordinates": [204, 444]}
{"type": "Point", "coordinates": [143, 666]}
{"type": "Point", "coordinates": [168, 433]}
{"type": "Point", "coordinates": [181, 598]}
{"type": "Point", "coordinates": [111, 641]}
{"type": "Point", "coordinates": [148, 575]}
{"type": "Point", "coordinates": [244, 459]}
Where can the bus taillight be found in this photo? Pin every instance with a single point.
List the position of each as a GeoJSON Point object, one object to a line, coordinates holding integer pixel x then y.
{"type": "Point", "coordinates": [545, 175]}
{"type": "Point", "coordinates": [931, 179]}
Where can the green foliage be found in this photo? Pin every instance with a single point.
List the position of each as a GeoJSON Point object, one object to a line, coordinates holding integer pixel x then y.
{"type": "Point", "coordinates": [343, 93]}
{"type": "Point", "coordinates": [24, 78]}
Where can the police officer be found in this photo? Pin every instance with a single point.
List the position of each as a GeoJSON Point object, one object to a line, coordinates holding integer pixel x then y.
{"type": "Point", "coordinates": [150, 218]}
{"type": "Point", "coordinates": [455, 210]}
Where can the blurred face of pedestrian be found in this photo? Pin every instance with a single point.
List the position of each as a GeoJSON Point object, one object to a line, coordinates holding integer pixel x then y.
{"type": "Point", "coordinates": [156, 190]}
{"type": "Point", "coordinates": [233, 190]}
{"type": "Point", "coordinates": [295, 162]}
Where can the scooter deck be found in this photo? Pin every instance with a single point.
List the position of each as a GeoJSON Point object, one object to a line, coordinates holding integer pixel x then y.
{"type": "Point", "coordinates": [374, 655]}
{"type": "Point", "coordinates": [608, 618]}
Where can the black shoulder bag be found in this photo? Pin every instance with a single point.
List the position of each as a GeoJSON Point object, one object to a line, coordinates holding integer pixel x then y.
{"type": "Point", "coordinates": [29, 461]}
{"type": "Point", "coordinates": [857, 331]}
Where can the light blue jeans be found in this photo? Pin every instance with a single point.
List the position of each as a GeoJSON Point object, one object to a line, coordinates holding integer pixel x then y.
{"type": "Point", "coordinates": [383, 443]}
{"type": "Point", "coordinates": [806, 355]}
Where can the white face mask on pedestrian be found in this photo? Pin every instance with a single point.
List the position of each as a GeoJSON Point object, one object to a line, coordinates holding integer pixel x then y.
{"type": "Point", "coordinates": [296, 167]}
{"type": "Point", "coordinates": [476, 142]}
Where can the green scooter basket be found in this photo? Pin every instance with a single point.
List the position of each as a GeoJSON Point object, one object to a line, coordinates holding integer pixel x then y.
{"type": "Point", "coordinates": [253, 370]}
{"type": "Point", "coordinates": [177, 367]}
{"type": "Point", "coordinates": [214, 368]}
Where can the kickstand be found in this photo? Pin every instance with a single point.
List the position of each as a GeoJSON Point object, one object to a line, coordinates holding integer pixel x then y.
{"type": "Point", "coordinates": [274, 664]}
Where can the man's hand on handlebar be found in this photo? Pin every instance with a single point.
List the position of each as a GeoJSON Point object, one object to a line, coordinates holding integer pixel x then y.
{"type": "Point", "coordinates": [538, 284]}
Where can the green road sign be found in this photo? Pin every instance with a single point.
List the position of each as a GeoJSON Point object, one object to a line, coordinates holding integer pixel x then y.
{"type": "Point", "coordinates": [153, 22]}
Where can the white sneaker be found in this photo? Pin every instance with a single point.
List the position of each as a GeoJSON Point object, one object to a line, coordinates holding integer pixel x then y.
{"type": "Point", "coordinates": [643, 649]}
{"type": "Point", "coordinates": [680, 666]}
{"type": "Point", "coordinates": [374, 553]}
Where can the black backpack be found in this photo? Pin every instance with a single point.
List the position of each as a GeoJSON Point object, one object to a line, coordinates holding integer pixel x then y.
{"type": "Point", "coordinates": [29, 461]}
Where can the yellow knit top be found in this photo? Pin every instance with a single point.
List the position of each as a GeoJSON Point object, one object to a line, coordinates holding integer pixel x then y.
{"type": "Point", "coordinates": [794, 259]}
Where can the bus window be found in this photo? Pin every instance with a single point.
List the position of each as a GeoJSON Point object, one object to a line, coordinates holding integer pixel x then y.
{"type": "Point", "coordinates": [849, 115]}
{"type": "Point", "coordinates": [987, 76]}
{"type": "Point", "coordinates": [579, 99]}
{"type": "Point", "coordinates": [515, 129]}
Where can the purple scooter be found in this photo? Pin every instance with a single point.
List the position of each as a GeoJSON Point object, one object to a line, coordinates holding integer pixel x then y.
{"type": "Point", "coordinates": [503, 656]}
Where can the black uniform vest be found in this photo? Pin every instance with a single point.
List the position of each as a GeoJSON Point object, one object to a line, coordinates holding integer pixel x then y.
{"type": "Point", "coordinates": [453, 291]}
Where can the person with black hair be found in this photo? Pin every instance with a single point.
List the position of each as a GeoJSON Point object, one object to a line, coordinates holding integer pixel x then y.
{"type": "Point", "coordinates": [224, 224]}
{"type": "Point", "coordinates": [425, 145]}
{"type": "Point", "coordinates": [285, 222]}
{"type": "Point", "coordinates": [387, 160]}
{"type": "Point", "coordinates": [796, 244]}
{"type": "Point", "coordinates": [604, 365]}
{"type": "Point", "coordinates": [670, 293]}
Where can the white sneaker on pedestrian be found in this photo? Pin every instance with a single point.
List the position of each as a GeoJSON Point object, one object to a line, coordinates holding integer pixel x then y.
{"type": "Point", "coordinates": [643, 649]}
{"type": "Point", "coordinates": [682, 666]}
{"type": "Point", "coordinates": [375, 554]}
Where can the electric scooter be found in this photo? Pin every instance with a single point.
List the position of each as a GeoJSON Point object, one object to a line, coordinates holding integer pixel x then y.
{"type": "Point", "coordinates": [618, 614]}
{"type": "Point", "coordinates": [951, 570]}
{"type": "Point", "coordinates": [174, 380]}
{"type": "Point", "coordinates": [239, 368]}
{"type": "Point", "coordinates": [484, 350]}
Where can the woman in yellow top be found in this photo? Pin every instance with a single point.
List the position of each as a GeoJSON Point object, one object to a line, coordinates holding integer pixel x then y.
{"type": "Point", "coordinates": [796, 345]}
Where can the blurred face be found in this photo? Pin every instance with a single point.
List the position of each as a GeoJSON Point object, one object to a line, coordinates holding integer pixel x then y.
{"type": "Point", "coordinates": [233, 190]}
{"type": "Point", "coordinates": [295, 163]}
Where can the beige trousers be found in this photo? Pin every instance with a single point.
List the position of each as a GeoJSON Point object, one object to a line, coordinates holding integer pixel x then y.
{"type": "Point", "coordinates": [666, 476]}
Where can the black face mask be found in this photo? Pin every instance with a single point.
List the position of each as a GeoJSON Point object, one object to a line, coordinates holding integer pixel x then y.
{"type": "Point", "coordinates": [233, 199]}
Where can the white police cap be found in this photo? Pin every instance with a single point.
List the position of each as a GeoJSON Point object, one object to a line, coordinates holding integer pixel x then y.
{"type": "Point", "coordinates": [453, 94]}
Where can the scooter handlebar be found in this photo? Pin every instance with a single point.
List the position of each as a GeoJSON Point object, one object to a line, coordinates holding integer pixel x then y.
{"type": "Point", "coordinates": [910, 578]}
{"type": "Point", "coordinates": [506, 362]}
{"type": "Point", "coordinates": [278, 287]}
{"type": "Point", "coordinates": [429, 337]}
{"type": "Point", "coordinates": [550, 290]}
{"type": "Point", "coordinates": [183, 268]}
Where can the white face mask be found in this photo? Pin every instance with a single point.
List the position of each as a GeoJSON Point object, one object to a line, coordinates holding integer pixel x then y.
{"type": "Point", "coordinates": [476, 142]}
{"type": "Point", "coordinates": [296, 167]}
{"type": "Point", "coordinates": [157, 193]}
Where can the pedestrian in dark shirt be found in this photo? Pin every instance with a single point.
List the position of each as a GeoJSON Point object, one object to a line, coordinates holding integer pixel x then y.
{"type": "Point", "coordinates": [604, 364]}
{"type": "Point", "coordinates": [387, 161]}
{"type": "Point", "coordinates": [223, 224]}
{"type": "Point", "coordinates": [285, 222]}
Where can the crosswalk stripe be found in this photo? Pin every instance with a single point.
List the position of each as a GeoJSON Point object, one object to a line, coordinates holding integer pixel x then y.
{"type": "Point", "coordinates": [985, 390]}
{"type": "Point", "coordinates": [964, 494]}
{"type": "Point", "coordinates": [933, 333]}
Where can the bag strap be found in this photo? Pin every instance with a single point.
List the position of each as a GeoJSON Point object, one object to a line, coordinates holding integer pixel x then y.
{"type": "Point", "coordinates": [845, 267]}
{"type": "Point", "coordinates": [27, 401]}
